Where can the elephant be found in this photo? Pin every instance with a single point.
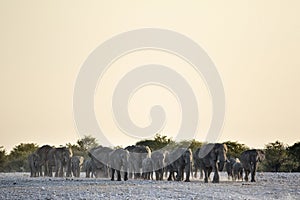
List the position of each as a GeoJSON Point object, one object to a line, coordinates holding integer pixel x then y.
{"type": "Point", "coordinates": [34, 164]}
{"type": "Point", "coordinates": [42, 152]}
{"type": "Point", "coordinates": [179, 160]}
{"type": "Point", "coordinates": [237, 170]}
{"type": "Point", "coordinates": [88, 168]}
{"type": "Point", "coordinates": [137, 155]}
{"type": "Point", "coordinates": [118, 160]}
{"type": "Point", "coordinates": [212, 158]}
{"type": "Point", "coordinates": [147, 167]}
{"type": "Point", "coordinates": [197, 165]}
{"type": "Point", "coordinates": [100, 160]}
{"type": "Point", "coordinates": [60, 159]}
{"type": "Point", "coordinates": [229, 167]}
{"type": "Point", "coordinates": [249, 160]}
{"type": "Point", "coordinates": [158, 159]}
{"type": "Point", "coordinates": [76, 164]}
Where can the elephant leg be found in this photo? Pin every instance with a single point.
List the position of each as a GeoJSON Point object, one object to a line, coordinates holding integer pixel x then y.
{"type": "Point", "coordinates": [216, 178]}
{"type": "Point", "coordinates": [144, 175]}
{"type": "Point", "coordinates": [179, 174]}
{"type": "Point", "coordinates": [31, 172]}
{"type": "Point", "coordinates": [40, 171]}
{"type": "Point", "coordinates": [36, 172]}
{"type": "Point", "coordinates": [61, 171]}
{"type": "Point", "coordinates": [49, 171]}
{"type": "Point", "coordinates": [187, 172]}
{"type": "Point", "coordinates": [161, 174]}
{"type": "Point", "coordinates": [119, 175]}
{"type": "Point", "coordinates": [125, 176]}
{"type": "Point", "coordinates": [157, 175]}
{"type": "Point", "coordinates": [166, 172]}
{"type": "Point", "coordinates": [246, 175]}
{"type": "Point", "coordinates": [147, 175]}
{"type": "Point", "coordinates": [209, 172]}
{"type": "Point", "coordinates": [201, 174]}
{"type": "Point", "coordinates": [241, 175]}
{"type": "Point", "coordinates": [87, 174]}
{"type": "Point", "coordinates": [46, 170]}
{"type": "Point", "coordinates": [206, 175]}
{"type": "Point", "coordinates": [112, 174]}
{"type": "Point", "coordinates": [137, 175]}
{"type": "Point", "coordinates": [195, 172]}
{"type": "Point", "coordinates": [174, 176]}
{"type": "Point", "coordinates": [130, 175]}
{"type": "Point", "coordinates": [170, 176]}
{"type": "Point", "coordinates": [60, 174]}
{"type": "Point", "coordinates": [57, 167]}
{"type": "Point", "coordinates": [253, 171]}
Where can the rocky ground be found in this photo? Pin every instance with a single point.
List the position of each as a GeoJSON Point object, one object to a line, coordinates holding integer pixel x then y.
{"type": "Point", "coordinates": [268, 186]}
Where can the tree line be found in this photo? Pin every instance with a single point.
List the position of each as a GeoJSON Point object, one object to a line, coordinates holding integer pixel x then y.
{"type": "Point", "coordinates": [279, 157]}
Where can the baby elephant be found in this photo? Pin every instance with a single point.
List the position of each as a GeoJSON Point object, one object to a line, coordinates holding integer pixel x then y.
{"type": "Point", "coordinates": [76, 164]}
{"type": "Point", "coordinates": [34, 164]}
{"type": "Point", "coordinates": [237, 170]}
{"type": "Point", "coordinates": [229, 167]}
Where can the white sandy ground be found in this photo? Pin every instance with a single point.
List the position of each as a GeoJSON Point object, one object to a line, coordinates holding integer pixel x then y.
{"type": "Point", "coordinates": [268, 186]}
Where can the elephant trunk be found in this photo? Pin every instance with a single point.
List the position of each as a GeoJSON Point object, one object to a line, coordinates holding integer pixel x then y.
{"type": "Point", "coordinates": [187, 159]}
{"type": "Point", "coordinates": [222, 160]}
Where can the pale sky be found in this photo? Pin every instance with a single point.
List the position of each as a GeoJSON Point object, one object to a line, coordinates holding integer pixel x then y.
{"type": "Point", "coordinates": [254, 44]}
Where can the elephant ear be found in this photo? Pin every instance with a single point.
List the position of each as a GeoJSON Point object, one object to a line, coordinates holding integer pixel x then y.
{"type": "Point", "coordinates": [260, 155]}
{"type": "Point", "coordinates": [206, 150]}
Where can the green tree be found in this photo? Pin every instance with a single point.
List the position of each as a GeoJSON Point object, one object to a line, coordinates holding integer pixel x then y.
{"type": "Point", "coordinates": [276, 156]}
{"type": "Point", "coordinates": [158, 142]}
{"type": "Point", "coordinates": [3, 158]}
{"type": "Point", "coordinates": [87, 142]}
{"type": "Point", "coordinates": [17, 159]}
{"type": "Point", "coordinates": [235, 149]}
{"type": "Point", "coordinates": [294, 157]}
{"type": "Point", "coordinates": [192, 144]}
{"type": "Point", "coordinates": [83, 145]}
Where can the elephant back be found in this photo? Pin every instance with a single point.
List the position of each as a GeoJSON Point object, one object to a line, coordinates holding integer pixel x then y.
{"type": "Point", "coordinates": [63, 154]}
{"type": "Point", "coordinates": [42, 152]}
{"type": "Point", "coordinates": [118, 158]}
{"type": "Point", "coordinates": [100, 154]}
{"type": "Point", "coordinates": [138, 154]}
{"type": "Point", "coordinates": [248, 155]}
{"type": "Point", "coordinates": [139, 149]}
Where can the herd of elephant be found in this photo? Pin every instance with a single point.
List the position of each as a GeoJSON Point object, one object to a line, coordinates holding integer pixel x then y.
{"type": "Point", "coordinates": [138, 162]}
